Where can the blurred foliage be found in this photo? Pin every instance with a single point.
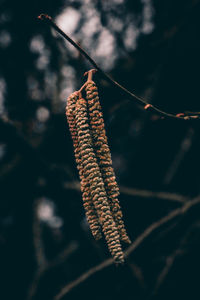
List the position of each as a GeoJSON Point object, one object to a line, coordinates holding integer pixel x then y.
{"type": "Point", "coordinates": [152, 48]}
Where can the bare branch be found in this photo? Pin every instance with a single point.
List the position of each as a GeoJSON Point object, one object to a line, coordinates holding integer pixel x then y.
{"type": "Point", "coordinates": [37, 237]}
{"type": "Point", "coordinates": [59, 259]}
{"type": "Point", "coordinates": [151, 194]}
{"type": "Point", "coordinates": [170, 261]}
{"type": "Point", "coordinates": [139, 100]}
{"type": "Point", "coordinates": [43, 265]}
{"type": "Point", "coordinates": [185, 146]}
{"type": "Point", "coordinates": [137, 273]}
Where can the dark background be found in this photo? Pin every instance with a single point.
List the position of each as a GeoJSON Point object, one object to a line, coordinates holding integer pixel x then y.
{"type": "Point", "coordinates": [152, 48]}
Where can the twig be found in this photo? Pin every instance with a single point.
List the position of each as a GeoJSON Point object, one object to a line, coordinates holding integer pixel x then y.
{"type": "Point", "coordinates": [139, 240]}
{"type": "Point", "coordinates": [137, 273]}
{"type": "Point", "coordinates": [139, 100]}
{"type": "Point", "coordinates": [83, 278]}
{"type": "Point", "coordinates": [63, 255]}
{"type": "Point", "coordinates": [163, 274]}
{"type": "Point", "coordinates": [43, 265]}
{"type": "Point", "coordinates": [39, 251]}
{"type": "Point", "coordinates": [170, 261]}
{"type": "Point", "coordinates": [59, 259]}
{"type": "Point", "coordinates": [185, 146]}
{"type": "Point", "coordinates": [75, 185]}
{"type": "Point", "coordinates": [34, 284]}
{"type": "Point", "coordinates": [37, 238]}
{"type": "Point", "coordinates": [151, 194]}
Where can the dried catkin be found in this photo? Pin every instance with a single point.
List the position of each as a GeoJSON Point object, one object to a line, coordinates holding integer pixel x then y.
{"type": "Point", "coordinates": [85, 187]}
{"type": "Point", "coordinates": [104, 156]}
{"type": "Point", "coordinates": [93, 176]}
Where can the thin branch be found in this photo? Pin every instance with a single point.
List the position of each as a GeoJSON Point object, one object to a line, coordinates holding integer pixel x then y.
{"type": "Point", "coordinates": [37, 238]}
{"type": "Point", "coordinates": [42, 270]}
{"type": "Point", "coordinates": [63, 255]}
{"type": "Point", "coordinates": [83, 278]}
{"type": "Point", "coordinates": [165, 271]}
{"type": "Point", "coordinates": [75, 185]}
{"type": "Point", "coordinates": [139, 240]}
{"type": "Point", "coordinates": [181, 116]}
{"type": "Point", "coordinates": [185, 146]}
{"type": "Point", "coordinates": [151, 194]}
{"type": "Point", "coordinates": [34, 284]}
{"type": "Point", "coordinates": [137, 273]}
{"type": "Point", "coordinates": [43, 265]}
{"type": "Point", "coordinates": [171, 259]}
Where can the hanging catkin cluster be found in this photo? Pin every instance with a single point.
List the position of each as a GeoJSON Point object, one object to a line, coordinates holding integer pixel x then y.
{"type": "Point", "coordinates": [98, 183]}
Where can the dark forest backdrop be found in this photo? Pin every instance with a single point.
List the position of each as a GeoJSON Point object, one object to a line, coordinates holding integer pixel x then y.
{"type": "Point", "coordinates": [152, 48]}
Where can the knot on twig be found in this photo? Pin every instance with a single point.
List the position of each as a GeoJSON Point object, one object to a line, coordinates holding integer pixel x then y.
{"type": "Point", "coordinates": [147, 106]}
{"type": "Point", "coordinates": [44, 17]}
{"type": "Point", "coordinates": [188, 116]}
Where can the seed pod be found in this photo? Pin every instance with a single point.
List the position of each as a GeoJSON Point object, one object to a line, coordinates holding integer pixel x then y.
{"type": "Point", "coordinates": [90, 211]}
{"type": "Point", "coordinates": [93, 176]}
{"type": "Point", "coordinates": [104, 156]}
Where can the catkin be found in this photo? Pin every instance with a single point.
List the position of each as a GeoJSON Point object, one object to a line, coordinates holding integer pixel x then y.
{"type": "Point", "coordinates": [94, 177]}
{"type": "Point", "coordinates": [90, 211]}
{"type": "Point", "coordinates": [104, 156]}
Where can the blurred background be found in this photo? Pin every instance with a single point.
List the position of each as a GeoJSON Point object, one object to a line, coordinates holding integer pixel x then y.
{"type": "Point", "coordinates": [152, 48]}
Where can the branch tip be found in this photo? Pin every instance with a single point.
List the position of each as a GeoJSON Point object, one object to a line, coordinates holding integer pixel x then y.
{"type": "Point", "coordinates": [90, 73]}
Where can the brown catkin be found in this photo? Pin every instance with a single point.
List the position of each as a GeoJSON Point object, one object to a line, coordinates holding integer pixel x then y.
{"type": "Point", "coordinates": [94, 177]}
{"type": "Point", "coordinates": [90, 211]}
{"type": "Point", "coordinates": [104, 156]}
